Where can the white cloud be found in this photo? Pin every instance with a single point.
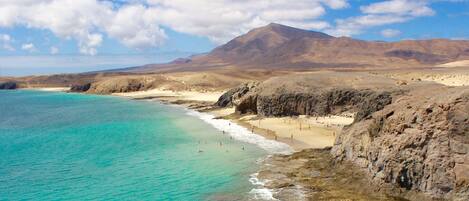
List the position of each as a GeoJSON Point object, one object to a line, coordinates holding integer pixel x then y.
{"type": "Point", "coordinates": [28, 47]}
{"type": "Point", "coordinates": [5, 42]}
{"type": "Point", "coordinates": [138, 24]}
{"type": "Point", "coordinates": [415, 8]}
{"type": "Point", "coordinates": [221, 20]}
{"type": "Point", "coordinates": [390, 33]}
{"type": "Point", "coordinates": [54, 50]}
{"type": "Point", "coordinates": [382, 13]}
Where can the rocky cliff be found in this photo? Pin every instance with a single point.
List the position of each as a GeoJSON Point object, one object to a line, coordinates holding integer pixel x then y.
{"type": "Point", "coordinates": [123, 84]}
{"type": "Point", "coordinates": [408, 137]}
{"type": "Point", "coordinates": [319, 94]}
{"type": "Point", "coordinates": [233, 96]}
{"type": "Point", "coordinates": [419, 142]}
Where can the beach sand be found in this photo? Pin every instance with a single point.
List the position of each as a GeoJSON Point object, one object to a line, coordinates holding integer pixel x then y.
{"type": "Point", "coordinates": [56, 89]}
{"type": "Point", "coordinates": [168, 95]}
{"type": "Point", "coordinates": [299, 132]}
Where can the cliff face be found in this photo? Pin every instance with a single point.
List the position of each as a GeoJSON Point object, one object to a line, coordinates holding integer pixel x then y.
{"type": "Point", "coordinates": [318, 94]}
{"type": "Point", "coordinates": [233, 96]}
{"type": "Point", "coordinates": [317, 103]}
{"type": "Point", "coordinates": [118, 85]}
{"type": "Point", "coordinates": [411, 137]}
{"type": "Point", "coordinates": [419, 142]}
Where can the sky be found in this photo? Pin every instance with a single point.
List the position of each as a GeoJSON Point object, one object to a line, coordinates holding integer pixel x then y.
{"type": "Point", "coordinates": [60, 36]}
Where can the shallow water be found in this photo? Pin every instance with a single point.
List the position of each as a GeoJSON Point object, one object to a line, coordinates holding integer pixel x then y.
{"type": "Point", "coordinates": [59, 146]}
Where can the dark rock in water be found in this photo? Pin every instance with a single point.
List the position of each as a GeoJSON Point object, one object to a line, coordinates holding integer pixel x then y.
{"type": "Point", "coordinates": [420, 142]}
{"type": "Point", "coordinates": [233, 95]}
{"type": "Point", "coordinates": [8, 85]}
{"type": "Point", "coordinates": [80, 88]}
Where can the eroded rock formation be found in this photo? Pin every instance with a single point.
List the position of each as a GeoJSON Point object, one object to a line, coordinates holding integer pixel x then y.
{"type": "Point", "coordinates": [232, 97]}
{"type": "Point", "coordinates": [411, 138]}
{"type": "Point", "coordinates": [419, 142]}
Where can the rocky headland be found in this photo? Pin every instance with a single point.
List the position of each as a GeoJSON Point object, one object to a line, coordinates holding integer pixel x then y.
{"type": "Point", "coordinates": [411, 139]}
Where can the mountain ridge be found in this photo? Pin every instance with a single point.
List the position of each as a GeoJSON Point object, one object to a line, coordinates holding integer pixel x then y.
{"type": "Point", "coordinates": [277, 46]}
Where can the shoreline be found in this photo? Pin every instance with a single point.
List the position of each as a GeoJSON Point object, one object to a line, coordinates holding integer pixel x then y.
{"type": "Point", "coordinates": [50, 89]}
{"type": "Point", "coordinates": [241, 128]}
{"type": "Point", "coordinates": [283, 173]}
{"type": "Point", "coordinates": [298, 133]}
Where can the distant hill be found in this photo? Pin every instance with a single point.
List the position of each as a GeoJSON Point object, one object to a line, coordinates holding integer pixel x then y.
{"type": "Point", "coordinates": [277, 46]}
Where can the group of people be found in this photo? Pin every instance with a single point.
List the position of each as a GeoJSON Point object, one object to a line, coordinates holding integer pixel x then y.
{"type": "Point", "coordinates": [220, 143]}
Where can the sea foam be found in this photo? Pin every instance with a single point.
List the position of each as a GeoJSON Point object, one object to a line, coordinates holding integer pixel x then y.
{"type": "Point", "coordinates": [243, 134]}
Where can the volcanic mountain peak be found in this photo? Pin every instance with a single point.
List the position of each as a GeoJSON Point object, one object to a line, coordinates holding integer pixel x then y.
{"type": "Point", "coordinates": [269, 36]}
{"type": "Point", "coordinates": [277, 46]}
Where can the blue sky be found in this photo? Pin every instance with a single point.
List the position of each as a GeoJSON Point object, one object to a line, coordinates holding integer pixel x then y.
{"type": "Point", "coordinates": [57, 36]}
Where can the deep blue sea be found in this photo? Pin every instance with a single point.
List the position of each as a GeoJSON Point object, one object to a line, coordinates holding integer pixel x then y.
{"type": "Point", "coordinates": [64, 146]}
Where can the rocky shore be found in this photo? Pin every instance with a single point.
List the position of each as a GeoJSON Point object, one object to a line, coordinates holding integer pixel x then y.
{"type": "Point", "coordinates": [409, 139]}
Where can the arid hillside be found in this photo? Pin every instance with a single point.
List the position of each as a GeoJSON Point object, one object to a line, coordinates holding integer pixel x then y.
{"type": "Point", "coordinates": [277, 46]}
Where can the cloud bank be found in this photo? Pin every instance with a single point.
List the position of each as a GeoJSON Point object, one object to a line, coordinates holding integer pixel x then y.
{"type": "Point", "coordinates": [141, 24]}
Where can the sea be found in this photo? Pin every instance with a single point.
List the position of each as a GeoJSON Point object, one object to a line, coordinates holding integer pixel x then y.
{"type": "Point", "coordinates": [66, 146]}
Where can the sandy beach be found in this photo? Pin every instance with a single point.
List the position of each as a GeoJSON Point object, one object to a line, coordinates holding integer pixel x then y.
{"type": "Point", "coordinates": [299, 132]}
{"type": "Point", "coordinates": [169, 95]}
{"type": "Point", "coordinates": [56, 89]}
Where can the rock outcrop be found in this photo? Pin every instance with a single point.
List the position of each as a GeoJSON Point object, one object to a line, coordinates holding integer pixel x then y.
{"type": "Point", "coordinates": [122, 84]}
{"type": "Point", "coordinates": [319, 94]}
{"type": "Point", "coordinates": [419, 142]}
{"type": "Point", "coordinates": [231, 97]}
{"type": "Point", "coordinates": [8, 85]}
{"type": "Point", "coordinates": [317, 103]}
{"type": "Point", "coordinates": [411, 138]}
{"type": "Point", "coordinates": [80, 87]}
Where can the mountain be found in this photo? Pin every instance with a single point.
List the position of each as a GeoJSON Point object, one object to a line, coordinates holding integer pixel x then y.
{"type": "Point", "coordinates": [277, 46]}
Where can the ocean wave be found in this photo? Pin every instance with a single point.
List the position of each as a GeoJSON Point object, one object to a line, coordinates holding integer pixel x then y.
{"type": "Point", "coordinates": [242, 134]}
{"type": "Point", "coordinates": [260, 192]}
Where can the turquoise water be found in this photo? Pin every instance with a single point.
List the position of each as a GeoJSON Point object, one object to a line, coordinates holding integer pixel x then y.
{"type": "Point", "coordinates": [59, 146]}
